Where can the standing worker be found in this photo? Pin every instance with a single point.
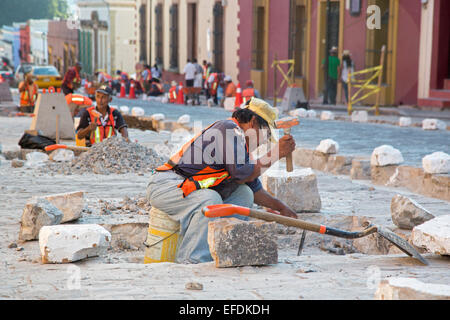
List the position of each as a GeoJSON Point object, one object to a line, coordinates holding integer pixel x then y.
{"type": "Point", "coordinates": [28, 94]}
{"type": "Point", "coordinates": [347, 68]}
{"type": "Point", "coordinates": [102, 121]}
{"type": "Point", "coordinates": [189, 74]}
{"type": "Point", "coordinates": [213, 85]}
{"type": "Point", "coordinates": [72, 79]}
{"type": "Point", "coordinates": [333, 71]}
{"type": "Point", "coordinates": [194, 178]}
{"type": "Point", "coordinates": [249, 91]}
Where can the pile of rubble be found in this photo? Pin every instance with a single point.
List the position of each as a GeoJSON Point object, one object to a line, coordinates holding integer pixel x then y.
{"type": "Point", "coordinates": [133, 205]}
{"type": "Point", "coordinates": [112, 156]}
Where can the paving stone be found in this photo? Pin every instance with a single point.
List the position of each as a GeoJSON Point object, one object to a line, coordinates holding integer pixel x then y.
{"type": "Point", "coordinates": [433, 124]}
{"type": "Point", "coordinates": [38, 212]}
{"type": "Point", "coordinates": [71, 204]}
{"type": "Point", "coordinates": [15, 163]}
{"type": "Point", "coordinates": [62, 155]}
{"type": "Point", "coordinates": [438, 162]}
{"type": "Point", "coordinates": [360, 169]}
{"type": "Point", "coordinates": [298, 189]}
{"type": "Point", "coordinates": [407, 213]}
{"type": "Point", "coordinates": [300, 112]}
{"type": "Point", "coordinates": [404, 122]}
{"type": "Point", "coordinates": [69, 243]}
{"type": "Point", "coordinates": [411, 289]}
{"type": "Point", "coordinates": [328, 146]}
{"type": "Point", "coordinates": [386, 155]}
{"type": "Point", "coordinates": [326, 115]}
{"type": "Point", "coordinates": [433, 235]}
{"type": "Point", "coordinates": [137, 112]}
{"type": "Point", "coordinates": [360, 116]}
{"type": "Point", "coordinates": [233, 243]}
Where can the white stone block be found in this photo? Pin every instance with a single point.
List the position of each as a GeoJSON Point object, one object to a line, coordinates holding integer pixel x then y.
{"type": "Point", "coordinates": [433, 124]}
{"type": "Point", "coordinates": [411, 289]}
{"type": "Point", "coordinates": [71, 204]}
{"type": "Point", "coordinates": [300, 112]}
{"type": "Point", "coordinates": [386, 155]}
{"type": "Point", "coordinates": [328, 146]}
{"type": "Point", "coordinates": [137, 111]}
{"type": "Point", "coordinates": [360, 116]}
{"type": "Point", "coordinates": [184, 119]}
{"type": "Point", "coordinates": [404, 122]}
{"type": "Point", "coordinates": [165, 100]}
{"type": "Point", "coordinates": [69, 243]}
{"type": "Point", "coordinates": [124, 110]}
{"type": "Point", "coordinates": [62, 155]}
{"type": "Point", "coordinates": [158, 117]}
{"type": "Point", "coordinates": [436, 163]}
{"type": "Point", "coordinates": [433, 235]}
{"type": "Point", "coordinates": [311, 114]}
{"type": "Point", "coordinates": [327, 115]}
{"type": "Point", "coordinates": [35, 159]}
{"type": "Point", "coordinates": [298, 189]}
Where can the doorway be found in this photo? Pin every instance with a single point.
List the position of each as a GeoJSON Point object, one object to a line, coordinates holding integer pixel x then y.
{"type": "Point", "coordinates": [192, 31]}
{"type": "Point", "coordinates": [441, 45]}
{"type": "Point", "coordinates": [218, 37]}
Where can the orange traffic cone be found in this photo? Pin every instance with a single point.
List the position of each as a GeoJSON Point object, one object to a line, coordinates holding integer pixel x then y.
{"type": "Point", "coordinates": [132, 94]}
{"type": "Point", "coordinates": [238, 99]}
{"type": "Point", "coordinates": [122, 89]}
{"type": "Point", "coordinates": [180, 97]}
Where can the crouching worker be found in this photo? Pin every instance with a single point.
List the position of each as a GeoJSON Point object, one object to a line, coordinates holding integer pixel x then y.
{"type": "Point", "coordinates": [214, 168]}
{"type": "Point", "coordinates": [102, 121]}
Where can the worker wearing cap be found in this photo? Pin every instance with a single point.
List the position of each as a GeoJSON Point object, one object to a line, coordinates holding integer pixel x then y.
{"type": "Point", "coordinates": [216, 167]}
{"type": "Point", "coordinates": [72, 79]}
{"type": "Point", "coordinates": [28, 94]}
{"type": "Point", "coordinates": [249, 91]}
{"type": "Point", "coordinates": [102, 121]}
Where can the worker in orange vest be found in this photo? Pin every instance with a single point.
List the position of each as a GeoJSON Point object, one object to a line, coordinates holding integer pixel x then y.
{"type": "Point", "coordinates": [213, 84]}
{"type": "Point", "coordinates": [249, 91]}
{"type": "Point", "coordinates": [173, 92]}
{"type": "Point", "coordinates": [72, 79]}
{"type": "Point", "coordinates": [28, 94]}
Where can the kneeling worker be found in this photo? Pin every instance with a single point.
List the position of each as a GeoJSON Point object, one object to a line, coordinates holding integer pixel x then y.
{"type": "Point", "coordinates": [214, 168]}
{"type": "Point", "coordinates": [101, 122]}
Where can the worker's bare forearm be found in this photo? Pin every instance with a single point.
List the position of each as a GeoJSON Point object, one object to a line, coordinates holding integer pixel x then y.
{"type": "Point", "coordinates": [265, 199]}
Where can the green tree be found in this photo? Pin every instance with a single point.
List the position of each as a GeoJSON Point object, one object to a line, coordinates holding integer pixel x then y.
{"type": "Point", "coordinates": [23, 10]}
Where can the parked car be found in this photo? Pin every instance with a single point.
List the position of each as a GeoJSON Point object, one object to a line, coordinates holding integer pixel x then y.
{"type": "Point", "coordinates": [46, 76]}
{"type": "Point", "coordinates": [21, 70]}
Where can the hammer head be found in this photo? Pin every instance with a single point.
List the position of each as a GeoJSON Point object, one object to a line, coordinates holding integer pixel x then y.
{"type": "Point", "coordinates": [287, 123]}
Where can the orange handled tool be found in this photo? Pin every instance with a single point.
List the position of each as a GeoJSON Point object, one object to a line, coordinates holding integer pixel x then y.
{"type": "Point", "coordinates": [226, 210]}
{"type": "Point", "coordinates": [63, 146]}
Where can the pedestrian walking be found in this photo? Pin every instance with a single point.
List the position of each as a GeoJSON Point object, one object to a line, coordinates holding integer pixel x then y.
{"type": "Point", "coordinates": [189, 74]}
{"type": "Point", "coordinates": [345, 70]}
{"type": "Point", "coordinates": [333, 71]}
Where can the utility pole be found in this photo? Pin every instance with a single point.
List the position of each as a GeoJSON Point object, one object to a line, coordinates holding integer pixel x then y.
{"type": "Point", "coordinates": [327, 52]}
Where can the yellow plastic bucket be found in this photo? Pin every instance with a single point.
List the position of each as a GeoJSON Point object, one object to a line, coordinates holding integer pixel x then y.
{"type": "Point", "coordinates": [162, 238]}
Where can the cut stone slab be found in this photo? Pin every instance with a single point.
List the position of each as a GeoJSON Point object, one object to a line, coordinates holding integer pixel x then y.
{"type": "Point", "coordinates": [62, 155]}
{"type": "Point", "coordinates": [233, 243]}
{"type": "Point", "coordinates": [71, 204]}
{"type": "Point", "coordinates": [69, 243]}
{"type": "Point", "coordinates": [407, 213]}
{"type": "Point", "coordinates": [298, 189]}
{"type": "Point", "coordinates": [327, 115]}
{"type": "Point", "coordinates": [38, 212]}
{"type": "Point", "coordinates": [411, 289]}
{"type": "Point", "coordinates": [339, 165]}
{"type": "Point", "coordinates": [300, 112]}
{"type": "Point", "coordinates": [303, 157]}
{"type": "Point", "coordinates": [184, 119]}
{"type": "Point", "coordinates": [433, 235]}
{"type": "Point", "coordinates": [438, 162]}
{"type": "Point", "coordinates": [360, 169]}
{"type": "Point", "coordinates": [404, 122]}
{"type": "Point", "coordinates": [311, 114]}
{"type": "Point", "coordinates": [35, 159]}
{"type": "Point", "coordinates": [15, 163]}
{"type": "Point", "coordinates": [360, 116]}
{"type": "Point", "coordinates": [158, 117]}
{"type": "Point", "coordinates": [433, 124]}
{"type": "Point", "coordinates": [386, 155]}
{"type": "Point", "coordinates": [124, 110]}
{"type": "Point", "coordinates": [137, 112]}
{"type": "Point", "coordinates": [328, 146]}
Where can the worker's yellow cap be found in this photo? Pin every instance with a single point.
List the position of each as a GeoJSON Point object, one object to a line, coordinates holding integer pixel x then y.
{"type": "Point", "coordinates": [265, 111]}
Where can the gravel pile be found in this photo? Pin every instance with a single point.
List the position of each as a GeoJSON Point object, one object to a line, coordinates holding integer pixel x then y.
{"type": "Point", "coordinates": [134, 205]}
{"type": "Point", "coordinates": [111, 156]}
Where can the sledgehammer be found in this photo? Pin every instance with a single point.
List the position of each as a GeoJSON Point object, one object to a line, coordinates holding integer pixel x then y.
{"type": "Point", "coordinates": [286, 124]}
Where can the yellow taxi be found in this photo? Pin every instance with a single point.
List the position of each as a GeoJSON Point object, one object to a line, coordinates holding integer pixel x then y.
{"type": "Point", "coordinates": [46, 76]}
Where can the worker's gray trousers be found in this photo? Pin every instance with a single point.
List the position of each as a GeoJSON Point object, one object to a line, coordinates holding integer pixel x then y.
{"type": "Point", "coordinates": [163, 194]}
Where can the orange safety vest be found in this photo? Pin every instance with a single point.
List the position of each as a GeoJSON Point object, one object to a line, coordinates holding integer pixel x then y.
{"type": "Point", "coordinates": [173, 94]}
{"type": "Point", "coordinates": [102, 132]}
{"type": "Point", "coordinates": [215, 84]}
{"type": "Point", "coordinates": [247, 94]}
{"type": "Point", "coordinates": [203, 179]}
{"type": "Point", "coordinates": [78, 99]}
{"type": "Point", "coordinates": [29, 96]}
